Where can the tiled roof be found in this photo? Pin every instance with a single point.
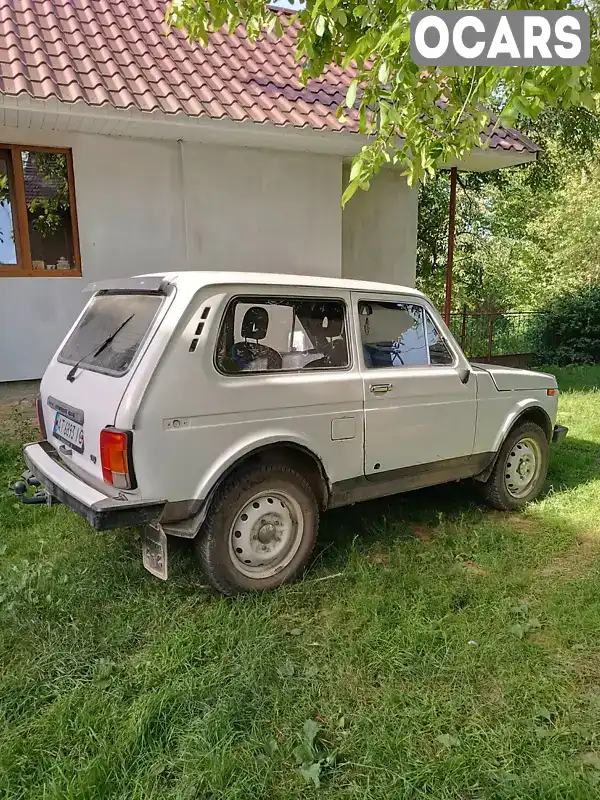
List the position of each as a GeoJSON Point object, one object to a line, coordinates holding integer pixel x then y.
{"type": "Point", "coordinates": [118, 53]}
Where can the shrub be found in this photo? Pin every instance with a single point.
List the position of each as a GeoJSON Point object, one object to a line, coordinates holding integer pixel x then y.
{"type": "Point", "coordinates": [569, 330]}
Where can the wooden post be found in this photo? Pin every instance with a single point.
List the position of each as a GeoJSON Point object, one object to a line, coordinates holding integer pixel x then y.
{"type": "Point", "coordinates": [450, 262]}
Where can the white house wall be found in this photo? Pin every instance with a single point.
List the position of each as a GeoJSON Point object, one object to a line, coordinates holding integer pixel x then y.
{"type": "Point", "coordinates": [263, 210]}
{"type": "Point", "coordinates": [244, 209]}
{"type": "Point", "coordinates": [380, 231]}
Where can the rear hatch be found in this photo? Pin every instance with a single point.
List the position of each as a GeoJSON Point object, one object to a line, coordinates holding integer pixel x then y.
{"type": "Point", "coordinates": [86, 380]}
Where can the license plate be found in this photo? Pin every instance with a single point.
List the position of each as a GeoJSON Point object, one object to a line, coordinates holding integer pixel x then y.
{"type": "Point", "coordinates": [68, 431]}
{"type": "Point", "coordinates": [154, 551]}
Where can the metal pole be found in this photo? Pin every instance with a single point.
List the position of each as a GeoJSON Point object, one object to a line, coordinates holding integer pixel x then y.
{"type": "Point", "coordinates": [463, 329]}
{"type": "Point", "coordinates": [491, 335]}
{"type": "Point", "coordinates": [450, 262]}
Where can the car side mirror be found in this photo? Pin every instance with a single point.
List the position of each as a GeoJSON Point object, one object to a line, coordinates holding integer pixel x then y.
{"type": "Point", "coordinates": [464, 373]}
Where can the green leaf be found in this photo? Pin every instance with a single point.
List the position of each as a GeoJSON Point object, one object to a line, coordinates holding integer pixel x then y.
{"type": "Point", "coordinates": [339, 15]}
{"type": "Point", "coordinates": [312, 773]}
{"type": "Point", "coordinates": [517, 630]}
{"type": "Point", "coordinates": [351, 94]}
{"type": "Point", "coordinates": [591, 759]}
{"type": "Point", "coordinates": [320, 25]}
{"type": "Point", "coordinates": [286, 670]}
{"type": "Point", "coordinates": [303, 753]}
{"type": "Point", "coordinates": [271, 746]}
{"type": "Point", "coordinates": [310, 730]}
{"type": "Point", "coordinates": [447, 740]}
{"type": "Point", "coordinates": [383, 73]}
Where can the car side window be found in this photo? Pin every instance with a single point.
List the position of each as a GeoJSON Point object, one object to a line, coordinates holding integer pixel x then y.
{"type": "Point", "coordinates": [439, 354]}
{"type": "Point", "coordinates": [393, 334]}
{"type": "Point", "coordinates": [275, 334]}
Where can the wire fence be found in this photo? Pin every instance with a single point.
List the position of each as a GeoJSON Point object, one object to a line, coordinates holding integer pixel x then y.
{"type": "Point", "coordinates": [488, 334]}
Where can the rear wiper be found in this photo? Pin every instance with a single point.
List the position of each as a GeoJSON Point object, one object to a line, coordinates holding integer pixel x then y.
{"type": "Point", "coordinates": [72, 374]}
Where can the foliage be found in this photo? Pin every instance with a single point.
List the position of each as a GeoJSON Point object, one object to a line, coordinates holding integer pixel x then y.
{"type": "Point", "coordinates": [570, 232]}
{"type": "Point", "coordinates": [569, 331]}
{"type": "Point", "coordinates": [420, 118]}
{"type": "Point", "coordinates": [48, 213]}
{"type": "Point", "coordinates": [522, 234]}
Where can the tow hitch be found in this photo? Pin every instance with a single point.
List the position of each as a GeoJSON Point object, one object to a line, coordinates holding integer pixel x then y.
{"type": "Point", "coordinates": [40, 495]}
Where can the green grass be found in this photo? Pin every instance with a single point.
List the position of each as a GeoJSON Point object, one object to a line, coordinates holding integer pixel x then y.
{"type": "Point", "coordinates": [457, 655]}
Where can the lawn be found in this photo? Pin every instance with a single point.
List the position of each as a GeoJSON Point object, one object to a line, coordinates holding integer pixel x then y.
{"type": "Point", "coordinates": [435, 649]}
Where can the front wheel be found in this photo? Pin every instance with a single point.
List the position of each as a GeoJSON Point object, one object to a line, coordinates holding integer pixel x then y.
{"type": "Point", "coordinates": [260, 530]}
{"type": "Point", "coordinates": [520, 469]}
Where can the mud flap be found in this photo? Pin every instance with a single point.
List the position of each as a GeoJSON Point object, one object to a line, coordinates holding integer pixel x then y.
{"type": "Point", "coordinates": [154, 551]}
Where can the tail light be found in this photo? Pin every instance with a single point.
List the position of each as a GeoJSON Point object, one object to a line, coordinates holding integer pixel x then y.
{"type": "Point", "coordinates": [39, 410]}
{"type": "Point", "coordinates": [115, 457]}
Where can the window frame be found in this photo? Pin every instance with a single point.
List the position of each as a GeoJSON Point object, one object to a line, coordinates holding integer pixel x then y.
{"type": "Point", "coordinates": [286, 297]}
{"type": "Point", "coordinates": [446, 342]}
{"type": "Point", "coordinates": [24, 266]}
{"type": "Point", "coordinates": [425, 310]}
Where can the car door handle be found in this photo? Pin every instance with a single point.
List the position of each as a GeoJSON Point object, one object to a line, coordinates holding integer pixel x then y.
{"type": "Point", "coordinates": [380, 388]}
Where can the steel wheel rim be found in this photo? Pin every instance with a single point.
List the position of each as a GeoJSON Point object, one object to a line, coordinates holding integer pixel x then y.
{"type": "Point", "coordinates": [265, 534]}
{"type": "Point", "coordinates": [522, 467]}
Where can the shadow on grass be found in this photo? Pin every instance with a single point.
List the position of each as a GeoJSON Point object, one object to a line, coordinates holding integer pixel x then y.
{"type": "Point", "coordinates": [573, 463]}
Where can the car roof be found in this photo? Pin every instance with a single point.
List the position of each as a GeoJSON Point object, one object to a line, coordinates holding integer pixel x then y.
{"type": "Point", "coordinates": [195, 279]}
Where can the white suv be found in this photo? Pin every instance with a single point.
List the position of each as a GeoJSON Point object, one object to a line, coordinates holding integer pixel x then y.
{"type": "Point", "coordinates": [234, 408]}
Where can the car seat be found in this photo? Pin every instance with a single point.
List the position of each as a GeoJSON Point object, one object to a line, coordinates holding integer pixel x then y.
{"type": "Point", "coordinates": [254, 355]}
{"type": "Point", "coordinates": [331, 342]}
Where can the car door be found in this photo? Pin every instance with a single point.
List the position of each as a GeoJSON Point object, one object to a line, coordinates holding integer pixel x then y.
{"type": "Point", "coordinates": [419, 397]}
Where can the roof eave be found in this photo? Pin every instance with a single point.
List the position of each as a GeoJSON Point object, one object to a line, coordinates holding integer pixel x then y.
{"type": "Point", "coordinates": [131, 123]}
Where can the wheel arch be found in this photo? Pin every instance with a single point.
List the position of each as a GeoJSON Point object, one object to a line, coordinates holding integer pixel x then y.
{"type": "Point", "coordinates": [284, 450]}
{"type": "Point", "coordinates": [531, 413]}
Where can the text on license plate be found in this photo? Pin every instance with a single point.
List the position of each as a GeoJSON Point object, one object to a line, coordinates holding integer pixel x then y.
{"type": "Point", "coordinates": [68, 431]}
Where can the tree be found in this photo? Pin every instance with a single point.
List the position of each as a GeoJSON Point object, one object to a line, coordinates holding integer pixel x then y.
{"type": "Point", "coordinates": [419, 118]}
{"type": "Point", "coordinates": [524, 234]}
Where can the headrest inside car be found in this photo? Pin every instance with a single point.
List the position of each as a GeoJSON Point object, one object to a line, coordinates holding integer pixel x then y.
{"type": "Point", "coordinates": [255, 323]}
{"type": "Point", "coordinates": [333, 326]}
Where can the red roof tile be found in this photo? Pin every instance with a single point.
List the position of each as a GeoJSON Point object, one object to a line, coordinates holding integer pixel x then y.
{"type": "Point", "coordinates": [119, 53]}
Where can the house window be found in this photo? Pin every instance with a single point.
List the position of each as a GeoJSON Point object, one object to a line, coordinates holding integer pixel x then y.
{"type": "Point", "coordinates": [275, 334]}
{"type": "Point", "coordinates": [38, 221]}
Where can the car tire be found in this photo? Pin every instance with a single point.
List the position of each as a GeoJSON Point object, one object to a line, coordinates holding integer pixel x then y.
{"type": "Point", "coordinates": [520, 470]}
{"type": "Point", "coordinates": [260, 530]}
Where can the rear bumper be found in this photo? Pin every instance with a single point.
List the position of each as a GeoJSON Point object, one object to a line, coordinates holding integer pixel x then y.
{"type": "Point", "coordinates": [102, 512]}
{"type": "Point", "coordinates": [559, 433]}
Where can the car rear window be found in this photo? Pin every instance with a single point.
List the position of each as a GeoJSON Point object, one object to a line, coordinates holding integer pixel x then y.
{"type": "Point", "coordinates": [102, 317]}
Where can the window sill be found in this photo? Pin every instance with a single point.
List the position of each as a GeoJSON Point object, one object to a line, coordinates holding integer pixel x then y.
{"type": "Point", "coordinates": [40, 273]}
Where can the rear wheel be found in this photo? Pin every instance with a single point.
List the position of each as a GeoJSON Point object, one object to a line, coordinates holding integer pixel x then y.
{"type": "Point", "coordinates": [260, 530]}
{"type": "Point", "coordinates": [520, 469]}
